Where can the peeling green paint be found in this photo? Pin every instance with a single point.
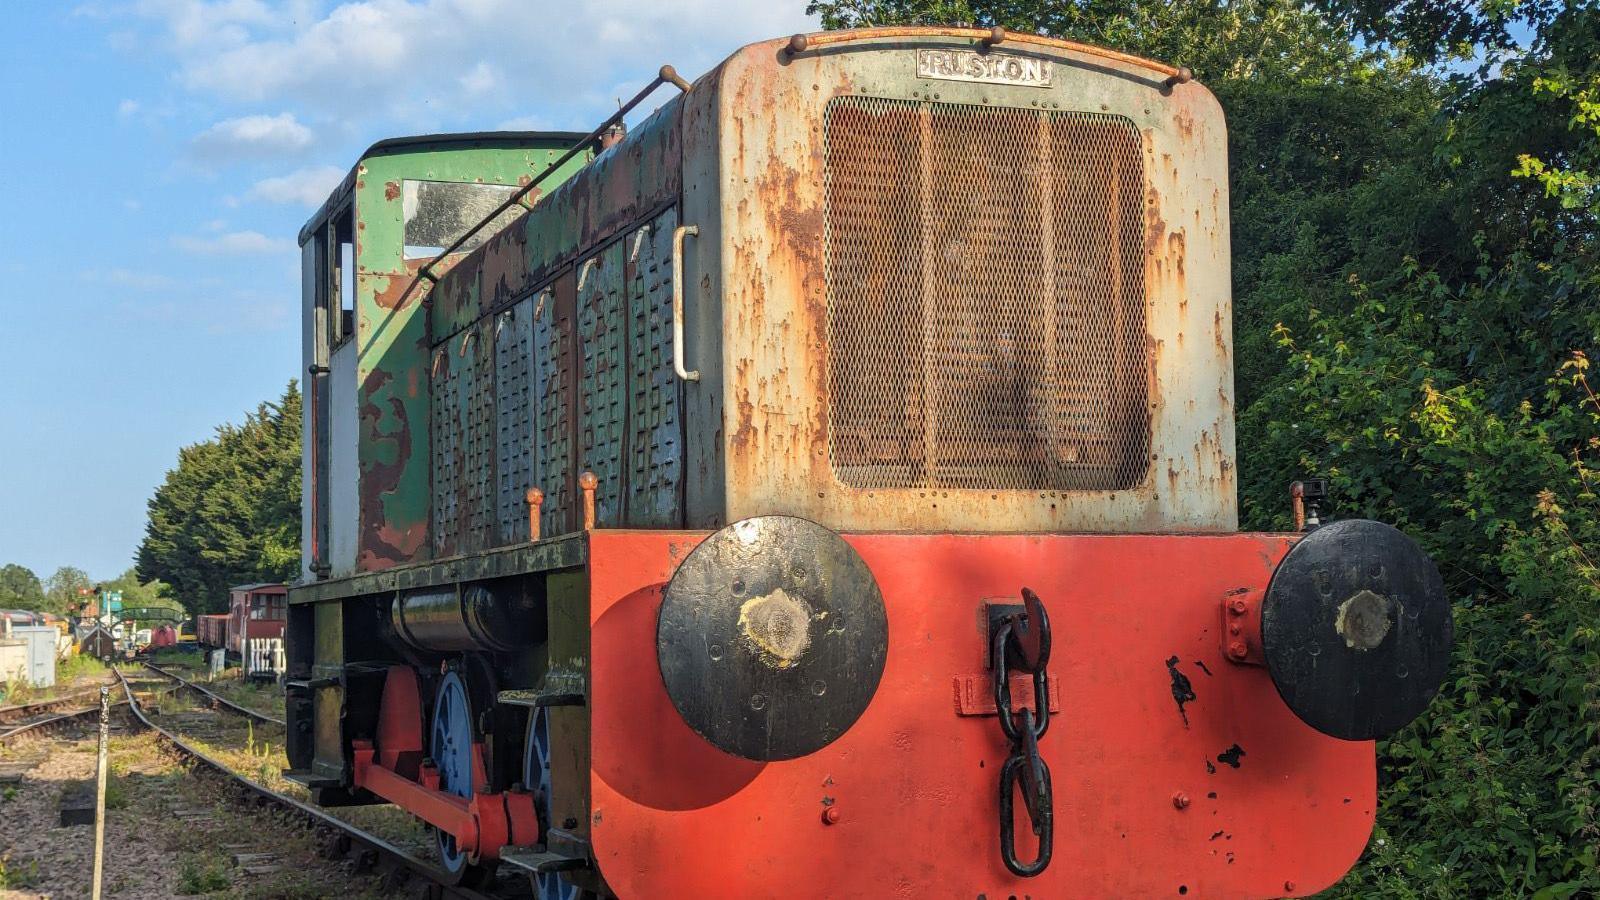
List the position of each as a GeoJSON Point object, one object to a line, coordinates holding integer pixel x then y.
{"type": "Point", "coordinates": [392, 331]}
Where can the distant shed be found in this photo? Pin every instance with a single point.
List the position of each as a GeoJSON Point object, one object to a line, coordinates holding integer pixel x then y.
{"type": "Point", "coordinates": [98, 643]}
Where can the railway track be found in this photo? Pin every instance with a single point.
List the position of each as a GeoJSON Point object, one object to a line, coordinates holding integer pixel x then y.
{"type": "Point", "coordinates": [17, 714]}
{"type": "Point", "coordinates": [368, 851]}
{"type": "Point", "coordinates": [53, 724]}
{"type": "Point", "coordinates": [216, 699]}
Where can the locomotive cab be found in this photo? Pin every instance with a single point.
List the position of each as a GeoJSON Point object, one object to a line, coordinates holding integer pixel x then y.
{"type": "Point", "coordinates": [848, 445]}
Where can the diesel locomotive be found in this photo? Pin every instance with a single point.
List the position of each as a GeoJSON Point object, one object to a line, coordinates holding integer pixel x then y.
{"type": "Point", "coordinates": [826, 488]}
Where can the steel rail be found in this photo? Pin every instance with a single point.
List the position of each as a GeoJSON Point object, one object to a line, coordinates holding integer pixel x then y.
{"type": "Point", "coordinates": [44, 726]}
{"type": "Point", "coordinates": [216, 698]}
{"type": "Point", "coordinates": [9, 715]}
{"type": "Point", "coordinates": [315, 817]}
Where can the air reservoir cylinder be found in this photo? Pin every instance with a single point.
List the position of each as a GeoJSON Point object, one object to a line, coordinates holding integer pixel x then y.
{"type": "Point", "coordinates": [444, 620]}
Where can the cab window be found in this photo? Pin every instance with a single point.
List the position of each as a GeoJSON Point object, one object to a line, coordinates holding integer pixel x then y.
{"type": "Point", "coordinates": [437, 212]}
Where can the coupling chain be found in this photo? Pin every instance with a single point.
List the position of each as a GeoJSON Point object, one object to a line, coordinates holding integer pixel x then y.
{"type": "Point", "coordinates": [1021, 642]}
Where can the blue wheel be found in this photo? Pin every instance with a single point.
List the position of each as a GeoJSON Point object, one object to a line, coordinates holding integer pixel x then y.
{"type": "Point", "coordinates": [536, 776]}
{"type": "Point", "coordinates": [451, 748]}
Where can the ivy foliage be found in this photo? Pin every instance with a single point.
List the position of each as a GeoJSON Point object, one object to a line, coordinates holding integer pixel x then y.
{"type": "Point", "coordinates": [1417, 305]}
{"type": "Point", "coordinates": [229, 513]}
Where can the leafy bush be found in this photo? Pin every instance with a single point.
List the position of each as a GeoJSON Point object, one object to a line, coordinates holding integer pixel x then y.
{"type": "Point", "coordinates": [1493, 791]}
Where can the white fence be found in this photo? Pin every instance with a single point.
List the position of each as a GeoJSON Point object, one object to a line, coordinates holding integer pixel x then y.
{"type": "Point", "coordinates": [263, 658]}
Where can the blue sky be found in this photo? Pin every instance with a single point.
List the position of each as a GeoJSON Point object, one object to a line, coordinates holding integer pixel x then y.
{"type": "Point", "coordinates": [157, 158]}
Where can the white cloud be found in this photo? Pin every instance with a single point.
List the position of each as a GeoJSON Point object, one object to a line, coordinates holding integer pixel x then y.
{"type": "Point", "coordinates": [307, 187]}
{"type": "Point", "coordinates": [192, 23]}
{"type": "Point", "coordinates": [127, 108]}
{"type": "Point", "coordinates": [253, 136]}
{"type": "Point", "coordinates": [233, 243]}
{"type": "Point", "coordinates": [525, 123]}
{"type": "Point", "coordinates": [416, 61]}
{"type": "Point", "coordinates": [481, 79]}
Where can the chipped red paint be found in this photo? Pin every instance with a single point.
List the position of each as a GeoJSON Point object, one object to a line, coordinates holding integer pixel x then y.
{"type": "Point", "coordinates": [915, 779]}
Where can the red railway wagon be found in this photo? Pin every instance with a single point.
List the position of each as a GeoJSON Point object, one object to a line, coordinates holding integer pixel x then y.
{"type": "Point", "coordinates": [164, 636]}
{"type": "Point", "coordinates": [211, 631]}
{"type": "Point", "coordinates": [255, 611]}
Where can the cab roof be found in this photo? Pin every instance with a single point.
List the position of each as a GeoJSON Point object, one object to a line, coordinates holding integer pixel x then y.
{"type": "Point", "coordinates": [415, 142]}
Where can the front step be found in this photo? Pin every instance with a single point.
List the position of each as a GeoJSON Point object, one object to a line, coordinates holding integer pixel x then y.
{"type": "Point", "coordinates": [538, 861]}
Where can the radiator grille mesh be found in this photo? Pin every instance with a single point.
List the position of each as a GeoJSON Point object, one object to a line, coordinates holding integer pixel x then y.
{"type": "Point", "coordinates": [985, 277]}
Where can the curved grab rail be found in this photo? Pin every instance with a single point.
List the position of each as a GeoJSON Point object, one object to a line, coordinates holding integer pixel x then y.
{"type": "Point", "coordinates": [677, 301]}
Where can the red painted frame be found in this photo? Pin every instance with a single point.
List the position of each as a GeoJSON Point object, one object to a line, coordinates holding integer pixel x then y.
{"type": "Point", "coordinates": [392, 768]}
{"type": "Point", "coordinates": [904, 804]}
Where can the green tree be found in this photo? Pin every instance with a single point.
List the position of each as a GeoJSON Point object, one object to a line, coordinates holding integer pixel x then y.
{"type": "Point", "coordinates": [1450, 393]}
{"type": "Point", "coordinates": [1244, 39]}
{"type": "Point", "coordinates": [1538, 64]}
{"type": "Point", "coordinates": [229, 512]}
{"type": "Point", "coordinates": [63, 589]}
{"type": "Point", "coordinates": [20, 588]}
{"type": "Point", "coordinates": [138, 594]}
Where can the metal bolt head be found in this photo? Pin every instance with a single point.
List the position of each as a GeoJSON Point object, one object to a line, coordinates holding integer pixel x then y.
{"type": "Point", "coordinates": [1180, 800]}
{"type": "Point", "coordinates": [1237, 606]}
{"type": "Point", "coordinates": [830, 816]}
{"type": "Point", "coordinates": [1238, 650]}
{"type": "Point", "coordinates": [1288, 885]}
{"type": "Point", "coordinates": [1235, 628]}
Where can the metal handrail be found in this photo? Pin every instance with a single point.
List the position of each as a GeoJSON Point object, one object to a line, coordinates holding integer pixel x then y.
{"type": "Point", "coordinates": [666, 75]}
{"type": "Point", "coordinates": [677, 301]}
